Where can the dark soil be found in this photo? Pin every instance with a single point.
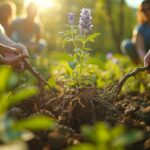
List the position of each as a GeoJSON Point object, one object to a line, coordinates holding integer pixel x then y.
{"type": "Point", "coordinates": [75, 107]}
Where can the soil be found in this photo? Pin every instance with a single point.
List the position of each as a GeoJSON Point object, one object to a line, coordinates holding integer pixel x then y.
{"type": "Point", "coordinates": [75, 107]}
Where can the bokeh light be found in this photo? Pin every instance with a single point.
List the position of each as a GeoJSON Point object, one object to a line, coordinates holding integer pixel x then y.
{"type": "Point", "coordinates": [42, 4]}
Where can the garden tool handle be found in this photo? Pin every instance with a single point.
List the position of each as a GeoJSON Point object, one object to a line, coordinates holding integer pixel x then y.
{"type": "Point", "coordinates": [35, 73]}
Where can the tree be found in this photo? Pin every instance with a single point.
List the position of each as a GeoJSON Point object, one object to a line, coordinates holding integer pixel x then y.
{"type": "Point", "coordinates": [116, 34]}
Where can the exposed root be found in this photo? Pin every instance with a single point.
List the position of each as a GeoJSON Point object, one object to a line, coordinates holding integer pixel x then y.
{"type": "Point", "coordinates": [128, 75]}
{"type": "Point", "coordinates": [87, 105]}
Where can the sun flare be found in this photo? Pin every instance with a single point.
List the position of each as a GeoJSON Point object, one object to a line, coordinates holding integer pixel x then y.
{"type": "Point", "coordinates": [42, 3]}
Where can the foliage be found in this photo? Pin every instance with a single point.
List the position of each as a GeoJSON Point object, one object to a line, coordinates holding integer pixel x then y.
{"type": "Point", "coordinates": [51, 26]}
{"type": "Point", "coordinates": [79, 37]}
{"type": "Point", "coordinates": [10, 129]}
{"type": "Point", "coordinates": [102, 137]}
{"type": "Point", "coordinates": [100, 21]}
{"type": "Point", "coordinates": [101, 70]}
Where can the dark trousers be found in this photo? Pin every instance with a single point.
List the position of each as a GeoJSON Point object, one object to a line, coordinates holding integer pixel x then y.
{"type": "Point", "coordinates": [128, 48]}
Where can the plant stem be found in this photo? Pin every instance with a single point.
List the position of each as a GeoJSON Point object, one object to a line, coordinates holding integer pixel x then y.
{"type": "Point", "coordinates": [72, 35]}
{"type": "Point", "coordinates": [82, 57]}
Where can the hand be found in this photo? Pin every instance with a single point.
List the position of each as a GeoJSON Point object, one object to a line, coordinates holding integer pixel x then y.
{"type": "Point", "coordinates": [21, 49]}
{"type": "Point", "coordinates": [11, 60]}
{"type": "Point", "coordinates": [21, 53]}
{"type": "Point", "coordinates": [7, 50]}
{"type": "Point", "coordinates": [147, 60]}
{"type": "Point", "coordinates": [17, 62]}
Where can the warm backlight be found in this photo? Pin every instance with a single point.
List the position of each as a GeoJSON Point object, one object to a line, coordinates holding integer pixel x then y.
{"type": "Point", "coordinates": [42, 3]}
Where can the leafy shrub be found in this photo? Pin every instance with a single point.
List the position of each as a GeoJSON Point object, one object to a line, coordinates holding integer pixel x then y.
{"type": "Point", "coordinates": [10, 129]}
{"type": "Point", "coordinates": [103, 137]}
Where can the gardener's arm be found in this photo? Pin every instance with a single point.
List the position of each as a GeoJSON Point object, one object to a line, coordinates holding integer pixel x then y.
{"type": "Point", "coordinates": [147, 59]}
{"type": "Point", "coordinates": [7, 49]}
{"type": "Point", "coordinates": [11, 60]}
{"type": "Point", "coordinates": [139, 44]}
{"type": "Point", "coordinates": [4, 40]}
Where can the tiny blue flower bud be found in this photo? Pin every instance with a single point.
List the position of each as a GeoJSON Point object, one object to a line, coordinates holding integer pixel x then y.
{"type": "Point", "coordinates": [71, 18]}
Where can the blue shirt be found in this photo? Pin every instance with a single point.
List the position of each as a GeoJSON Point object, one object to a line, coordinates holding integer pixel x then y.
{"type": "Point", "coordinates": [22, 32]}
{"type": "Point", "coordinates": [144, 30]}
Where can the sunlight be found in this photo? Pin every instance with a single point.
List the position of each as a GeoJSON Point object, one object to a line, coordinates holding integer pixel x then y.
{"type": "Point", "coordinates": [42, 4]}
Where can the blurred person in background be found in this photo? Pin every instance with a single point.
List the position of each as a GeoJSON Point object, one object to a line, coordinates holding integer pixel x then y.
{"type": "Point", "coordinates": [7, 14]}
{"type": "Point", "coordinates": [27, 30]}
{"type": "Point", "coordinates": [12, 53]}
{"type": "Point", "coordinates": [140, 43]}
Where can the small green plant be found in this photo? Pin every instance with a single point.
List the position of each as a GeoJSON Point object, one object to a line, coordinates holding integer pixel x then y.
{"type": "Point", "coordinates": [14, 133]}
{"type": "Point", "coordinates": [102, 137]}
{"type": "Point", "coordinates": [80, 36]}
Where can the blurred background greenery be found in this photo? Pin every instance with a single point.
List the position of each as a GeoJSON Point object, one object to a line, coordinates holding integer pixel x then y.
{"type": "Point", "coordinates": [114, 19]}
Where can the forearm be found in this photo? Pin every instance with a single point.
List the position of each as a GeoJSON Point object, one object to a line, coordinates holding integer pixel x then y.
{"type": "Point", "coordinates": [147, 59]}
{"type": "Point", "coordinates": [11, 46]}
{"type": "Point", "coordinates": [141, 53]}
{"type": "Point", "coordinates": [6, 41]}
{"type": "Point", "coordinates": [2, 60]}
{"type": "Point", "coordinates": [6, 49]}
{"type": "Point", "coordinates": [10, 60]}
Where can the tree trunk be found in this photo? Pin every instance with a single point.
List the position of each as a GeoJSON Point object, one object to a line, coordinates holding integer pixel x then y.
{"type": "Point", "coordinates": [116, 34]}
{"type": "Point", "coordinates": [121, 19]}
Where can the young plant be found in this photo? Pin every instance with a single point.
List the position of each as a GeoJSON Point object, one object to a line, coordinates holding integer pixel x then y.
{"type": "Point", "coordinates": [102, 137]}
{"type": "Point", "coordinates": [80, 36]}
{"type": "Point", "coordinates": [14, 133]}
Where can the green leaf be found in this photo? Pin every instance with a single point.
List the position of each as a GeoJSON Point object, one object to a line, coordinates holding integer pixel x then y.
{"type": "Point", "coordinates": [117, 131]}
{"type": "Point", "coordinates": [102, 132]}
{"type": "Point", "coordinates": [24, 93]}
{"type": "Point", "coordinates": [129, 138]}
{"type": "Point", "coordinates": [88, 49]}
{"type": "Point", "coordinates": [88, 132]}
{"type": "Point", "coordinates": [52, 82]}
{"type": "Point", "coordinates": [12, 80]}
{"type": "Point", "coordinates": [5, 102]}
{"type": "Point", "coordinates": [91, 40]}
{"type": "Point", "coordinates": [82, 147]}
{"type": "Point", "coordinates": [68, 39]}
{"type": "Point", "coordinates": [4, 76]}
{"type": "Point", "coordinates": [72, 64]}
{"type": "Point", "coordinates": [67, 33]}
{"type": "Point", "coordinates": [79, 38]}
{"type": "Point", "coordinates": [9, 135]}
{"type": "Point", "coordinates": [35, 123]}
{"type": "Point", "coordinates": [92, 37]}
{"type": "Point", "coordinates": [76, 50]}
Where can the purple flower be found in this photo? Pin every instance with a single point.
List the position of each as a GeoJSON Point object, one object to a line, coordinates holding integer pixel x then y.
{"type": "Point", "coordinates": [85, 24]}
{"type": "Point", "coordinates": [71, 18]}
{"type": "Point", "coordinates": [109, 55]}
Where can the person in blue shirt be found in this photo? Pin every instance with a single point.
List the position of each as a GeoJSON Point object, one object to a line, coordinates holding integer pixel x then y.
{"type": "Point", "coordinates": [138, 46]}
